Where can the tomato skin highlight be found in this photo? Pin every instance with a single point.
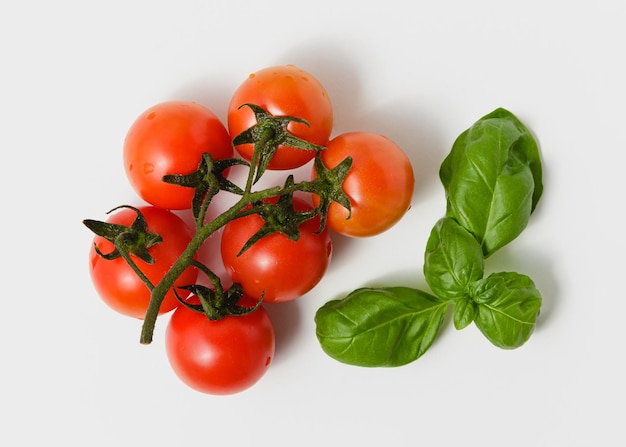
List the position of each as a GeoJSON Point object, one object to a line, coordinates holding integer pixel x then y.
{"type": "Point", "coordinates": [170, 138]}
{"type": "Point", "coordinates": [220, 357]}
{"type": "Point", "coordinates": [276, 267]}
{"type": "Point", "coordinates": [283, 90]}
{"type": "Point", "coordinates": [379, 184]}
{"type": "Point", "coordinates": [117, 283]}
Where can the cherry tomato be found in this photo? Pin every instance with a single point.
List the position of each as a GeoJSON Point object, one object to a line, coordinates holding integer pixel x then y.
{"type": "Point", "coordinates": [275, 266]}
{"type": "Point", "coordinates": [379, 184]}
{"type": "Point", "coordinates": [283, 90]}
{"type": "Point", "coordinates": [170, 138]}
{"type": "Point", "coordinates": [115, 281]}
{"type": "Point", "coordinates": [223, 356]}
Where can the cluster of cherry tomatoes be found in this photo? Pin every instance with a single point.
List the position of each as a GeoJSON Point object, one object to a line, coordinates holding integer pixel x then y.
{"type": "Point", "coordinates": [229, 354]}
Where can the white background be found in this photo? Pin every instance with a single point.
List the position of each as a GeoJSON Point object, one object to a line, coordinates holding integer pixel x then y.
{"type": "Point", "coordinates": [76, 74]}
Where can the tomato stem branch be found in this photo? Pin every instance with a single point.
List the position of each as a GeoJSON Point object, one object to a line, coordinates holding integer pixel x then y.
{"type": "Point", "coordinates": [186, 259]}
{"type": "Point", "coordinates": [133, 265]}
{"type": "Point", "coordinates": [208, 180]}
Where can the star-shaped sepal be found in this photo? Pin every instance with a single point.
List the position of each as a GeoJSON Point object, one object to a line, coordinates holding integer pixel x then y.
{"type": "Point", "coordinates": [207, 181]}
{"type": "Point", "coordinates": [279, 216]}
{"type": "Point", "coordinates": [134, 239]}
{"type": "Point", "coordinates": [215, 302]}
{"type": "Point", "coordinates": [328, 187]}
{"type": "Point", "coordinates": [267, 134]}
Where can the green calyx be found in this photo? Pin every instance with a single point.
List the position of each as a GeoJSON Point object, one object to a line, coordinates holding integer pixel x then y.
{"type": "Point", "coordinates": [279, 217]}
{"type": "Point", "coordinates": [134, 239]}
{"type": "Point", "coordinates": [330, 189]}
{"type": "Point", "coordinates": [215, 302]}
{"type": "Point", "coordinates": [269, 133]}
{"type": "Point", "coordinates": [207, 181]}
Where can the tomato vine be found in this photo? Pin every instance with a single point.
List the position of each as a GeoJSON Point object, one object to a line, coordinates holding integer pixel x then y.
{"type": "Point", "coordinates": [209, 179]}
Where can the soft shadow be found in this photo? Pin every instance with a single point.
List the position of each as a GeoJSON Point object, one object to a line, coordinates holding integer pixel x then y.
{"type": "Point", "coordinates": [211, 90]}
{"type": "Point", "coordinates": [405, 278]}
{"type": "Point", "coordinates": [342, 248]}
{"type": "Point", "coordinates": [416, 133]}
{"type": "Point", "coordinates": [287, 319]}
{"type": "Point", "coordinates": [337, 70]}
{"type": "Point", "coordinates": [403, 122]}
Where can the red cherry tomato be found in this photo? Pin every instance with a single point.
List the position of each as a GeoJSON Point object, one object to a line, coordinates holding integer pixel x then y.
{"type": "Point", "coordinates": [275, 266]}
{"type": "Point", "coordinates": [225, 356]}
{"type": "Point", "coordinates": [115, 281]}
{"type": "Point", "coordinates": [170, 138]}
{"type": "Point", "coordinates": [379, 184]}
{"type": "Point", "coordinates": [283, 90]}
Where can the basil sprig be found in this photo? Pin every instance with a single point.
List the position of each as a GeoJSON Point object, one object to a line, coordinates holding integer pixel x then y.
{"type": "Point", "coordinates": [492, 178]}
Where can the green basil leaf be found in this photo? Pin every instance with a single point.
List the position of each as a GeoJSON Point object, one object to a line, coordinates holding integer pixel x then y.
{"type": "Point", "coordinates": [493, 179]}
{"type": "Point", "coordinates": [508, 306]}
{"type": "Point", "coordinates": [371, 327]}
{"type": "Point", "coordinates": [453, 259]}
{"type": "Point", "coordinates": [465, 311]}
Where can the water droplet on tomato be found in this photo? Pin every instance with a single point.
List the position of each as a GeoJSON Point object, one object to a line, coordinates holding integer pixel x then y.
{"type": "Point", "coordinates": [148, 168]}
{"type": "Point", "coordinates": [151, 115]}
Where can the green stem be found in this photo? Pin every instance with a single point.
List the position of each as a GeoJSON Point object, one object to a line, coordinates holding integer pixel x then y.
{"type": "Point", "coordinates": [186, 259]}
{"type": "Point", "coordinates": [203, 232]}
{"type": "Point", "coordinates": [254, 163]}
{"type": "Point", "coordinates": [133, 265]}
